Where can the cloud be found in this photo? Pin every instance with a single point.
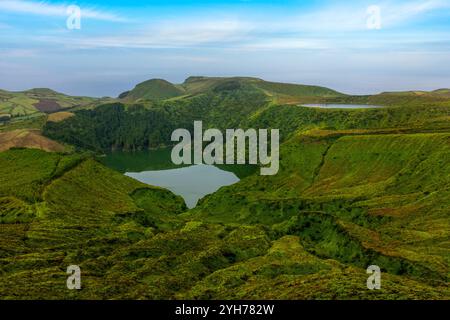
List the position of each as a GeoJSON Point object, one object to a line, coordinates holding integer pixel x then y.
{"type": "Point", "coordinates": [46, 9]}
{"type": "Point", "coordinates": [394, 14]}
{"type": "Point", "coordinates": [203, 31]}
{"type": "Point", "coordinates": [353, 17]}
{"type": "Point", "coordinates": [165, 34]}
{"type": "Point", "coordinates": [329, 27]}
{"type": "Point", "coordinates": [286, 43]}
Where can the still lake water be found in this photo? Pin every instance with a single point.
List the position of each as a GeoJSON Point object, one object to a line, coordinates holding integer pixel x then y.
{"type": "Point", "coordinates": [340, 106]}
{"type": "Point", "coordinates": [193, 182]}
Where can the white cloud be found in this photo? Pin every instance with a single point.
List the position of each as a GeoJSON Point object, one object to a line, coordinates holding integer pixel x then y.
{"type": "Point", "coordinates": [287, 43]}
{"type": "Point", "coordinates": [166, 34]}
{"type": "Point", "coordinates": [320, 29]}
{"type": "Point", "coordinates": [395, 14]}
{"type": "Point", "coordinates": [353, 17]}
{"type": "Point", "coordinates": [191, 32]}
{"type": "Point", "coordinates": [46, 9]}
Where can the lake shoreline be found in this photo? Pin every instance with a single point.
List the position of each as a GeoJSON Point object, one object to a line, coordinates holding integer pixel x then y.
{"type": "Point", "coordinates": [191, 182]}
{"type": "Point", "coordinates": [339, 106]}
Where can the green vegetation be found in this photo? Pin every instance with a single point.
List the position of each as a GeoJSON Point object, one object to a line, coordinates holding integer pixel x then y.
{"type": "Point", "coordinates": [195, 85]}
{"type": "Point", "coordinates": [155, 89]}
{"type": "Point", "coordinates": [158, 89]}
{"type": "Point", "coordinates": [241, 102]}
{"type": "Point", "coordinates": [34, 121]}
{"type": "Point", "coordinates": [358, 199]}
{"type": "Point", "coordinates": [355, 188]}
{"type": "Point", "coordinates": [140, 126]}
{"type": "Point", "coordinates": [114, 126]}
{"type": "Point", "coordinates": [33, 101]}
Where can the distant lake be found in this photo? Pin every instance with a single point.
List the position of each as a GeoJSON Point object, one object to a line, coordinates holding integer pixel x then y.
{"type": "Point", "coordinates": [155, 167]}
{"type": "Point", "coordinates": [340, 106]}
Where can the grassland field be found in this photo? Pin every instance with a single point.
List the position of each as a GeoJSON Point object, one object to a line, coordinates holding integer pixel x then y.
{"type": "Point", "coordinates": [355, 188]}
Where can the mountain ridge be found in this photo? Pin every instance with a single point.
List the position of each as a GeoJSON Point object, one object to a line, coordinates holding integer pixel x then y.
{"type": "Point", "coordinates": [159, 89]}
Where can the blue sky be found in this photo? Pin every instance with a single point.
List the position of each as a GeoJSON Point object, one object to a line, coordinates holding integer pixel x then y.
{"type": "Point", "coordinates": [331, 43]}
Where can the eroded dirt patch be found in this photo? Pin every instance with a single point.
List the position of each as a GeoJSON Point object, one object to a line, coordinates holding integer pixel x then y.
{"type": "Point", "coordinates": [23, 138]}
{"type": "Point", "coordinates": [47, 105]}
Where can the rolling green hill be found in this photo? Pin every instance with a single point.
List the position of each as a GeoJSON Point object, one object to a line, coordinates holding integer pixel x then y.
{"type": "Point", "coordinates": [139, 126]}
{"type": "Point", "coordinates": [154, 89]}
{"type": "Point", "coordinates": [132, 243]}
{"type": "Point", "coordinates": [355, 188]}
{"type": "Point", "coordinates": [443, 91]}
{"type": "Point", "coordinates": [158, 89]}
{"type": "Point", "coordinates": [38, 100]}
{"type": "Point", "coordinates": [154, 108]}
{"type": "Point", "coordinates": [203, 84]}
{"type": "Point", "coordinates": [359, 199]}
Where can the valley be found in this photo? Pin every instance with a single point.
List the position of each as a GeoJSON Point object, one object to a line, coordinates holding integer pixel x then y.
{"type": "Point", "coordinates": [355, 187]}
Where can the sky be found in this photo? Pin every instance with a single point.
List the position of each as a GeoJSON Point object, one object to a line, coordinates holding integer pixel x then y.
{"type": "Point", "coordinates": [105, 47]}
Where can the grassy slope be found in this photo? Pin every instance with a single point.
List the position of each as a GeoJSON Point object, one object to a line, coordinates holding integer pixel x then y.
{"type": "Point", "coordinates": [154, 89]}
{"type": "Point", "coordinates": [28, 102]}
{"type": "Point", "coordinates": [288, 93]}
{"type": "Point", "coordinates": [244, 102]}
{"type": "Point", "coordinates": [292, 273]}
{"type": "Point", "coordinates": [26, 132]}
{"type": "Point", "coordinates": [282, 231]}
{"type": "Point", "coordinates": [22, 138]}
{"type": "Point", "coordinates": [358, 199]}
{"type": "Point", "coordinates": [47, 228]}
{"type": "Point", "coordinates": [158, 89]}
{"type": "Point", "coordinates": [137, 126]}
{"type": "Point", "coordinates": [59, 116]}
{"type": "Point", "coordinates": [23, 115]}
{"type": "Point", "coordinates": [355, 187]}
{"type": "Point", "coordinates": [285, 232]}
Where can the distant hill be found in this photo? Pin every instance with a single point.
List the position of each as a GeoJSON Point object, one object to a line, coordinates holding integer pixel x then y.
{"type": "Point", "coordinates": [44, 100]}
{"type": "Point", "coordinates": [445, 92]}
{"type": "Point", "coordinates": [24, 103]}
{"type": "Point", "coordinates": [28, 139]}
{"type": "Point", "coordinates": [413, 98]}
{"type": "Point", "coordinates": [154, 89]}
{"type": "Point", "coordinates": [158, 89]}
{"type": "Point", "coordinates": [145, 116]}
{"type": "Point", "coordinates": [200, 84]}
{"type": "Point", "coordinates": [417, 92]}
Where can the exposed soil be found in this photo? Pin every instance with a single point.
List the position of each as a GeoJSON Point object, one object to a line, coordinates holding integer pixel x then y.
{"type": "Point", "coordinates": [22, 138]}
{"type": "Point", "coordinates": [46, 105]}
